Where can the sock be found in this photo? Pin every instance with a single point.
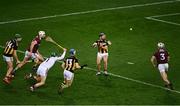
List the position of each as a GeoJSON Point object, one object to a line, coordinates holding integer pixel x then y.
{"type": "Point", "coordinates": [13, 72]}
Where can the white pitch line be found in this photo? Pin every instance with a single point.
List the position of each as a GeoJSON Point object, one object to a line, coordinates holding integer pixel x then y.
{"type": "Point", "coordinates": [163, 21]}
{"type": "Point", "coordinates": [130, 63]}
{"type": "Point", "coordinates": [163, 15]}
{"type": "Point", "coordinates": [126, 78]}
{"type": "Point", "coordinates": [87, 12]}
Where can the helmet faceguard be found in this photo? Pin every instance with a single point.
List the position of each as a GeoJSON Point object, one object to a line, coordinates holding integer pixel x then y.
{"type": "Point", "coordinates": [161, 45]}
{"type": "Point", "coordinates": [42, 34]}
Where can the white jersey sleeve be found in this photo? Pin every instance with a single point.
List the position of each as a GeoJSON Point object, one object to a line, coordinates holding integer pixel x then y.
{"type": "Point", "coordinates": [62, 56]}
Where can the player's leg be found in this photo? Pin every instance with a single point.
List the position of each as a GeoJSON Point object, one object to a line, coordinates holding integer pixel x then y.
{"type": "Point", "coordinates": [25, 60]}
{"type": "Point", "coordinates": [9, 62]}
{"type": "Point", "coordinates": [67, 83]}
{"type": "Point", "coordinates": [165, 78]}
{"type": "Point", "coordinates": [20, 65]}
{"type": "Point", "coordinates": [98, 61]}
{"type": "Point", "coordinates": [42, 80]}
{"type": "Point", "coordinates": [10, 68]}
{"type": "Point", "coordinates": [105, 59]}
{"type": "Point", "coordinates": [37, 78]}
{"type": "Point", "coordinates": [166, 71]}
{"type": "Point", "coordinates": [38, 59]}
{"type": "Point", "coordinates": [68, 80]}
{"type": "Point", "coordinates": [162, 69]}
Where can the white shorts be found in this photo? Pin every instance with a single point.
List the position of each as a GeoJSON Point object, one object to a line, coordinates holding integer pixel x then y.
{"type": "Point", "coordinates": [163, 67]}
{"type": "Point", "coordinates": [102, 55]}
{"type": "Point", "coordinates": [7, 59]}
{"type": "Point", "coordinates": [42, 71]}
{"type": "Point", "coordinates": [33, 56]}
{"type": "Point", "coordinates": [68, 75]}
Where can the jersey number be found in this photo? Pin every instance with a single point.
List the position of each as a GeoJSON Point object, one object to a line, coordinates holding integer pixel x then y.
{"type": "Point", "coordinates": [69, 64]}
{"type": "Point", "coordinates": [69, 61]}
{"type": "Point", "coordinates": [9, 44]}
{"type": "Point", "coordinates": [47, 59]}
{"type": "Point", "coordinates": [162, 56]}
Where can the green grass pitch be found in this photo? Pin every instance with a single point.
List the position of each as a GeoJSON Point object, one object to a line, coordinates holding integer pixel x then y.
{"type": "Point", "coordinates": [79, 31]}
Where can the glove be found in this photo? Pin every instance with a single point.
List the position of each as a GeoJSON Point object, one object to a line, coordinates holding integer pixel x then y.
{"type": "Point", "coordinates": [85, 65]}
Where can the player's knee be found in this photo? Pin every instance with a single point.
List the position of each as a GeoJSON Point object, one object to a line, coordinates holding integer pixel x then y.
{"type": "Point", "coordinates": [36, 60]}
{"type": "Point", "coordinates": [22, 63]}
{"type": "Point", "coordinates": [164, 78]}
{"type": "Point", "coordinates": [105, 62]}
{"type": "Point", "coordinates": [98, 63]}
{"type": "Point", "coordinates": [69, 83]}
{"type": "Point", "coordinates": [42, 83]}
{"type": "Point", "coordinates": [10, 68]}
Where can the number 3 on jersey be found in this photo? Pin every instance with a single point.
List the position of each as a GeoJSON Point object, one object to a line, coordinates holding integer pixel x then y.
{"type": "Point", "coordinates": [69, 64]}
{"type": "Point", "coordinates": [69, 61]}
{"type": "Point", "coordinates": [162, 56]}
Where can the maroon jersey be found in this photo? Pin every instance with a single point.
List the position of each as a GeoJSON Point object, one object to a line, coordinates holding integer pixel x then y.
{"type": "Point", "coordinates": [36, 46]}
{"type": "Point", "coordinates": [162, 56]}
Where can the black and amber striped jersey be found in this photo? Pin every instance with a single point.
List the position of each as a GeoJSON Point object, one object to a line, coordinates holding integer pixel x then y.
{"type": "Point", "coordinates": [70, 63]}
{"type": "Point", "coordinates": [102, 46]}
{"type": "Point", "coordinates": [10, 47]}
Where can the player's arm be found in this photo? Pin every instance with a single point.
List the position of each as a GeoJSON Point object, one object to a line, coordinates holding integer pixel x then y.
{"type": "Point", "coordinates": [15, 53]}
{"type": "Point", "coordinates": [77, 66]}
{"type": "Point", "coordinates": [63, 65]}
{"type": "Point", "coordinates": [16, 57]}
{"type": "Point", "coordinates": [153, 61]}
{"type": "Point", "coordinates": [63, 55]}
{"type": "Point", "coordinates": [94, 44]}
{"type": "Point", "coordinates": [80, 67]}
{"type": "Point", "coordinates": [168, 58]}
{"type": "Point", "coordinates": [109, 42]}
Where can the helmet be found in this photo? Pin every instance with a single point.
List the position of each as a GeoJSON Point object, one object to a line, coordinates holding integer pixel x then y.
{"type": "Point", "coordinates": [42, 34]}
{"type": "Point", "coordinates": [72, 52]}
{"type": "Point", "coordinates": [17, 36]}
{"type": "Point", "coordinates": [53, 54]}
{"type": "Point", "coordinates": [101, 34]}
{"type": "Point", "coordinates": [161, 45]}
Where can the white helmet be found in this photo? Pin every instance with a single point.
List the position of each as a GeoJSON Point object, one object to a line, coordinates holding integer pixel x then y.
{"type": "Point", "coordinates": [161, 45]}
{"type": "Point", "coordinates": [42, 34]}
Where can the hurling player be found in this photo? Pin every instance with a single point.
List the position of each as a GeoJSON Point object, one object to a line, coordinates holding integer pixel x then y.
{"type": "Point", "coordinates": [8, 54]}
{"type": "Point", "coordinates": [32, 51]}
{"type": "Point", "coordinates": [44, 68]}
{"type": "Point", "coordinates": [160, 60]}
{"type": "Point", "coordinates": [70, 65]}
{"type": "Point", "coordinates": [102, 45]}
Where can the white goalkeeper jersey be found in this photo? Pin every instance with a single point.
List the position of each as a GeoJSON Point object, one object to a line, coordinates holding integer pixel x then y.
{"type": "Point", "coordinates": [49, 62]}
